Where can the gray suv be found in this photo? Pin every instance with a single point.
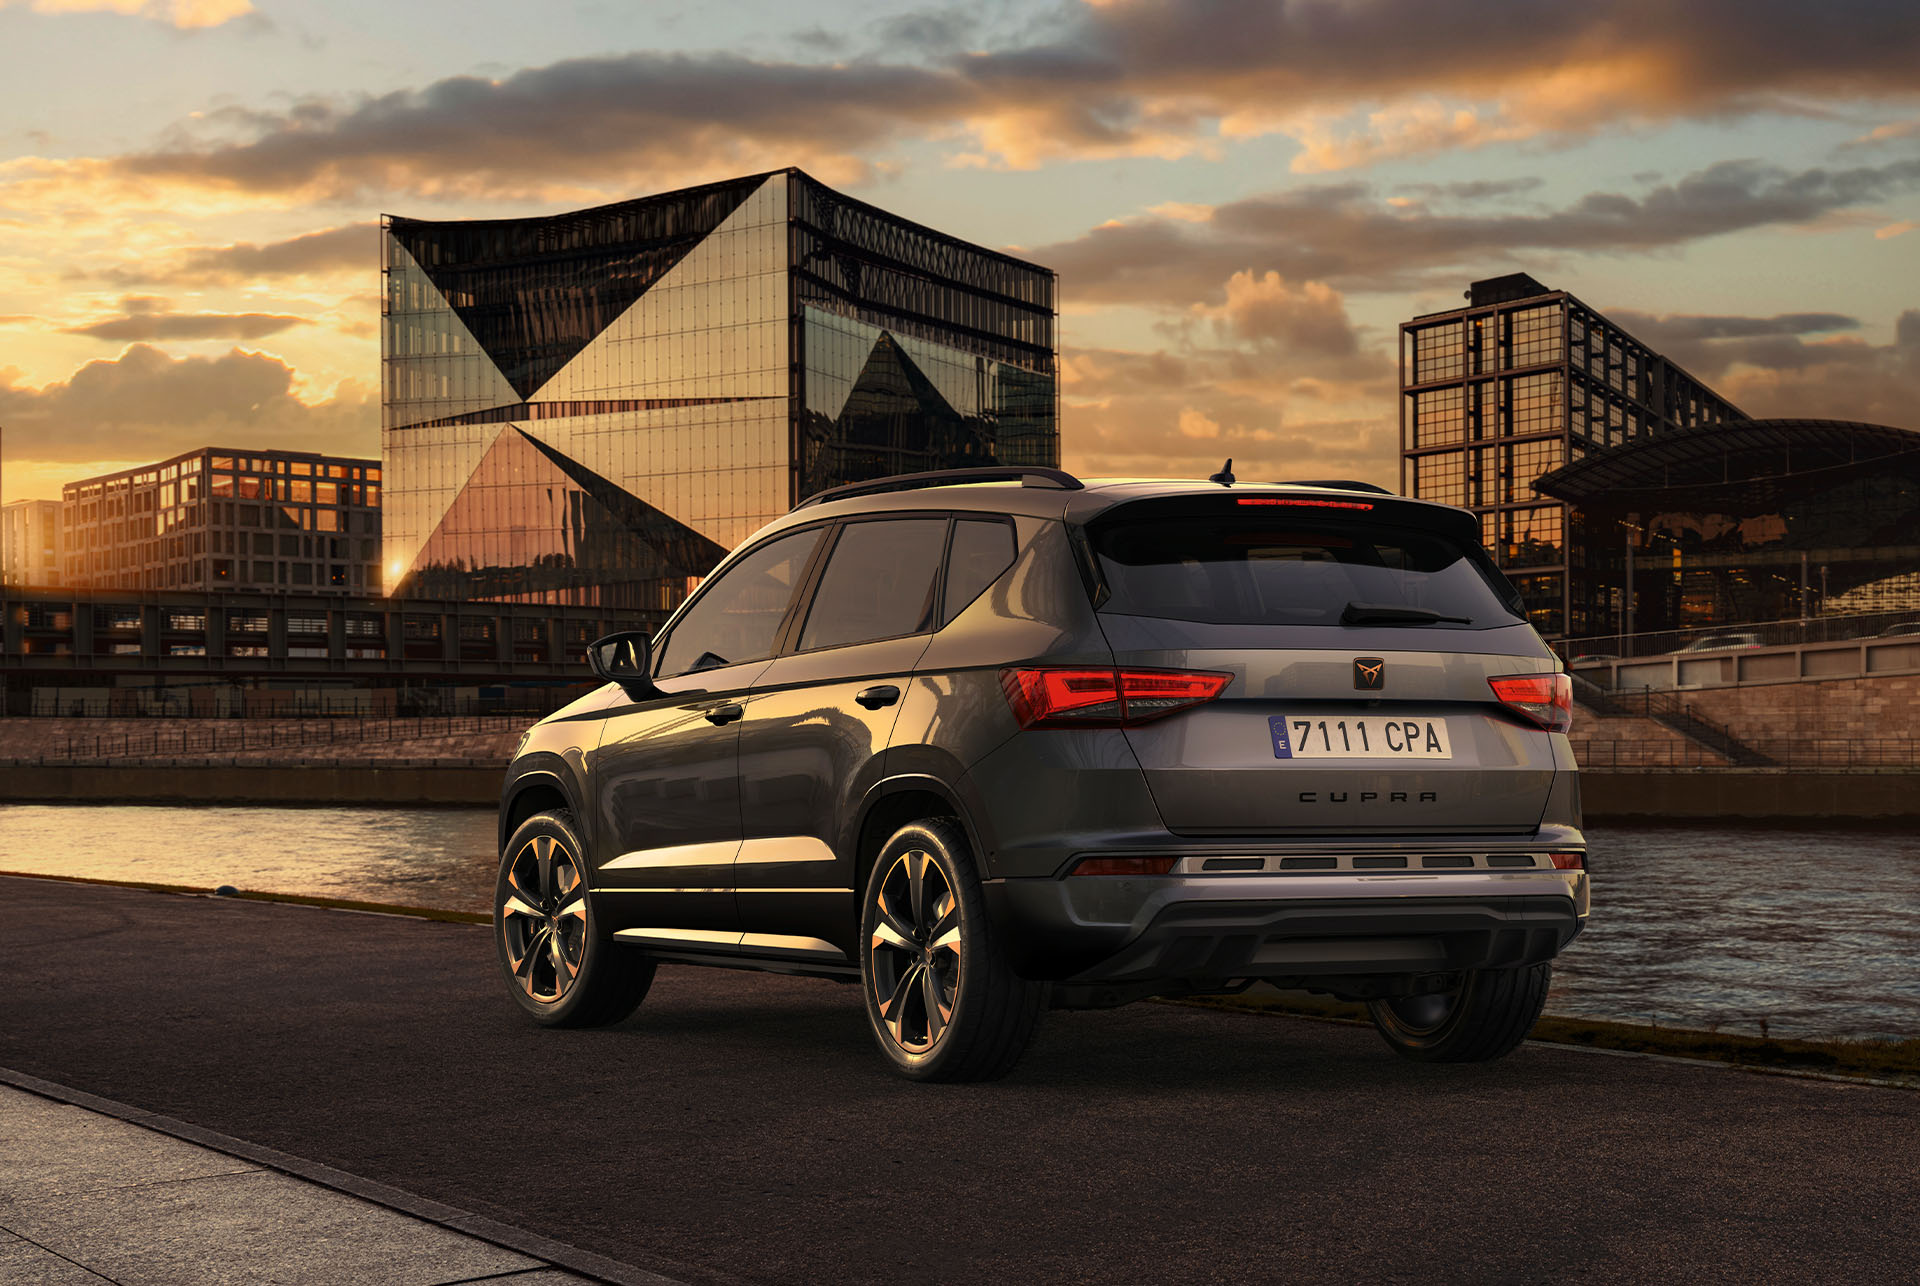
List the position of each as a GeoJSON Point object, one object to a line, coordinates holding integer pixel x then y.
{"type": "Point", "coordinates": [985, 741]}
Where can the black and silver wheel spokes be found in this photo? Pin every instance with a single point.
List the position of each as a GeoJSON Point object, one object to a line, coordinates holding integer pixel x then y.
{"type": "Point", "coordinates": [916, 952]}
{"type": "Point", "coordinates": [543, 918]}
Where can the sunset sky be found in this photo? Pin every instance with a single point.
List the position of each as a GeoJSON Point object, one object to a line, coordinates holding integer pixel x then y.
{"type": "Point", "coordinates": [1242, 200]}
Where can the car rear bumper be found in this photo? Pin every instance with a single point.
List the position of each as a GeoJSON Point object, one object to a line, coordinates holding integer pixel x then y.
{"type": "Point", "coordinates": [1300, 930]}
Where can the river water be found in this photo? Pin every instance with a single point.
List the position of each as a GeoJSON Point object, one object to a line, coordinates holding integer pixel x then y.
{"type": "Point", "coordinates": [1810, 929]}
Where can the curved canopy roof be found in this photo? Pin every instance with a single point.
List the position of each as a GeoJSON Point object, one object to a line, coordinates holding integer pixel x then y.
{"type": "Point", "coordinates": [1742, 466]}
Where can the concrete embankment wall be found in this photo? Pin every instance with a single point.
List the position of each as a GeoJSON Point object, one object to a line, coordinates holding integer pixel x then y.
{"type": "Point", "coordinates": [1621, 796]}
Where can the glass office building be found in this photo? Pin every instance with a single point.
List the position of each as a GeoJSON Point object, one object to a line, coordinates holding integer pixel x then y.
{"type": "Point", "coordinates": [1755, 521]}
{"type": "Point", "coordinates": [1518, 383]}
{"type": "Point", "coordinates": [594, 407]}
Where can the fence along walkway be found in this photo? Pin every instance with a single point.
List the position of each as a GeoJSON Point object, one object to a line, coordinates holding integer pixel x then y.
{"type": "Point", "coordinates": [227, 737]}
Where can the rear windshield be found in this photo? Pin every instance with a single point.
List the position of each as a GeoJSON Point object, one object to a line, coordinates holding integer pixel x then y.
{"type": "Point", "coordinates": [1249, 569]}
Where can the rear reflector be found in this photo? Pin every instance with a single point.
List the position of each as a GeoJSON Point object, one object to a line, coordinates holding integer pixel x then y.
{"type": "Point", "coordinates": [1545, 699]}
{"type": "Point", "coordinates": [1291, 503]}
{"type": "Point", "coordinates": [1123, 866]}
{"type": "Point", "coordinates": [1569, 861]}
{"type": "Point", "coordinates": [1064, 697]}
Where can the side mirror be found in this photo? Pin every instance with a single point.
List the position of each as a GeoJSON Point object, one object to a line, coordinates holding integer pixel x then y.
{"type": "Point", "coordinates": [625, 659]}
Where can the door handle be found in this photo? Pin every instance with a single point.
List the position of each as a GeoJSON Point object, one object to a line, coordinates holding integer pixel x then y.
{"type": "Point", "coordinates": [721, 715]}
{"type": "Point", "coordinates": [883, 695]}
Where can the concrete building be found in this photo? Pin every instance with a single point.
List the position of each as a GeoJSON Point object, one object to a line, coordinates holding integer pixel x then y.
{"type": "Point", "coordinates": [30, 544]}
{"type": "Point", "coordinates": [218, 518]}
{"type": "Point", "coordinates": [1520, 382]}
{"type": "Point", "coordinates": [593, 407]}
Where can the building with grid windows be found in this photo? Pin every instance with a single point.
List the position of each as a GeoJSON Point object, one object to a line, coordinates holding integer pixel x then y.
{"type": "Point", "coordinates": [218, 518]}
{"type": "Point", "coordinates": [592, 408]}
{"type": "Point", "coordinates": [1518, 383]}
{"type": "Point", "coordinates": [30, 544]}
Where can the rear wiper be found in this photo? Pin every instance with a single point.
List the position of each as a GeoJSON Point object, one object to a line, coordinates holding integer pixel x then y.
{"type": "Point", "coordinates": [1395, 614]}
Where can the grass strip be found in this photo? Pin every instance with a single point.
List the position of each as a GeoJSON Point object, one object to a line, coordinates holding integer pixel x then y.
{"type": "Point", "coordinates": [1888, 1060]}
{"type": "Point", "coordinates": [297, 899]}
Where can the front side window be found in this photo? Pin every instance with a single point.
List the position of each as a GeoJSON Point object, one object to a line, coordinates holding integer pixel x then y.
{"type": "Point", "coordinates": [878, 583]}
{"type": "Point", "coordinates": [736, 619]}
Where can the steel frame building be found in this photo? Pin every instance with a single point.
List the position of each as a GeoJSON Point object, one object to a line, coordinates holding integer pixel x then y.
{"type": "Point", "coordinates": [1518, 383]}
{"type": "Point", "coordinates": [293, 522]}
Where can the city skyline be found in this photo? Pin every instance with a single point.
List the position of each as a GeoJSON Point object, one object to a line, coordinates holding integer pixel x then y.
{"type": "Point", "coordinates": [1243, 202]}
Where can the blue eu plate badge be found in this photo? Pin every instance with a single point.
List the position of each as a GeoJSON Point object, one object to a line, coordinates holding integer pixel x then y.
{"type": "Point", "coordinates": [1277, 725]}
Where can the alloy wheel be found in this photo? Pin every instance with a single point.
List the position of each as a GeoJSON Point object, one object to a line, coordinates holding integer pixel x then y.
{"type": "Point", "coordinates": [916, 949]}
{"type": "Point", "coordinates": [543, 919]}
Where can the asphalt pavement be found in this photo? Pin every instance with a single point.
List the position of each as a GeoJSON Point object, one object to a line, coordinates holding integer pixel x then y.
{"type": "Point", "coordinates": [740, 1127]}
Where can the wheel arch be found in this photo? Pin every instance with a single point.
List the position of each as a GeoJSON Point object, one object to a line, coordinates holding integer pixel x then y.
{"type": "Point", "coordinates": [894, 802]}
{"type": "Point", "coordinates": [534, 789]}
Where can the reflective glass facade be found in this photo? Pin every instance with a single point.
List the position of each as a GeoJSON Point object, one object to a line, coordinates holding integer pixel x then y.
{"type": "Point", "coordinates": [1518, 383]}
{"type": "Point", "coordinates": [1757, 521]}
{"type": "Point", "coordinates": [592, 408]}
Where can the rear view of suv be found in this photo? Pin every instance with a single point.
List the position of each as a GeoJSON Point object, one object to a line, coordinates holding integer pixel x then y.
{"type": "Point", "coordinates": [986, 741]}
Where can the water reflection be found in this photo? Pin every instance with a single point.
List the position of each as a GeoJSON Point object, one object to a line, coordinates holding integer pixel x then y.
{"type": "Point", "coordinates": [1808, 928]}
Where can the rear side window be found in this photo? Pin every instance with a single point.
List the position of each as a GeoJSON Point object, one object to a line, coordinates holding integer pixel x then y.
{"type": "Point", "coordinates": [878, 583]}
{"type": "Point", "coordinates": [981, 551]}
{"type": "Point", "coordinates": [1248, 569]}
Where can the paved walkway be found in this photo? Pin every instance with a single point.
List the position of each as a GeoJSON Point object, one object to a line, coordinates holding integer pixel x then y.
{"type": "Point", "coordinates": [87, 1198]}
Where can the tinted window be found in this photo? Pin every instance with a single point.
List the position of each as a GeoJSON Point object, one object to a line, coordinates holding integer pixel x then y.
{"type": "Point", "coordinates": [736, 618]}
{"type": "Point", "coordinates": [981, 551]}
{"type": "Point", "coordinates": [1246, 569]}
{"type": "Point", "coordinates": [878, 583]}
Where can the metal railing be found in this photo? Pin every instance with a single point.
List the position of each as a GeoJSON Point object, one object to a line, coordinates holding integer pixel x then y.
{"type": "Point", "coordinates": [1670, 711]}
{"type": "Point", "coordinates": [227, 738]}
{"type": "Point", "coordinates": [1815, 629]}
{"type": "Point", "coordinates": [1838, 753]}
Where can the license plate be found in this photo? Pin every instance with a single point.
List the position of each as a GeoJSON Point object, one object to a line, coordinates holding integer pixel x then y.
{"type": "Point", "coordinates": [1358, 737]}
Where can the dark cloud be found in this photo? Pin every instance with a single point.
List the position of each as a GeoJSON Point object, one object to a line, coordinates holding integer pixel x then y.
{"type": "Point", "coordinates": [353, 247]}
{"type": "Point", "coordinates": [1471, 189]}
{"type": "Point", "coordinates": [1151, 77]}
{"type": "Point", "coordinates": [1769, 366]}
{"type": "Point", "coordinates": [1345, 234]}
{"type": "Point", "coordinates": [147, 404]}
{"type": "Point", "coordinates": [1664, 331]}
{"type": "Point", "coordinates": [144, 317]}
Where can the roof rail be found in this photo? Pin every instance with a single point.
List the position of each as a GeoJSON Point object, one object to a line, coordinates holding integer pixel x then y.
{"type": "Point", "coordinates": [1033, 476]}
{"type": "Point", "coordinates": [1336, 484]}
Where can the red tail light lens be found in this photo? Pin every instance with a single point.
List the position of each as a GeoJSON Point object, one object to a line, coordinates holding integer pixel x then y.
{"type": "Point", "coordinates": [1123, 866]}
{"type": "Point", "coordinates": [1050, 697]}
{"type": "Point", "coordinates": [1569, 861]}
{"type": "Point", "coordinates": [1546, 699]}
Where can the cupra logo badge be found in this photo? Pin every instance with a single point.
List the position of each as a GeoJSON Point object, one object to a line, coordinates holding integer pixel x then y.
{"type": "Point", "coordinates": [1369, 673]}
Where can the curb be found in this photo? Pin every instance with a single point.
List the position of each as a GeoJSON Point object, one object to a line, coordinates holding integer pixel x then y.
{"type": "Point", "coordinates": [556, 1253]}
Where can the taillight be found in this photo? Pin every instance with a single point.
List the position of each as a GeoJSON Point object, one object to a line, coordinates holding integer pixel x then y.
{"type": "Point", "coordinates": [1064, 697]}
{"type": "Point", "coordinates": [1123, 866]}
{"type": "Point", "coordinates": [1547, 699]}
{"type": "Point", "coordinates": [1569, 861]}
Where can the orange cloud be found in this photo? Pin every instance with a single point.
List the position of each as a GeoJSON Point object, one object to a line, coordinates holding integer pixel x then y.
{"type": "Point", "coordinates": [185, 14]}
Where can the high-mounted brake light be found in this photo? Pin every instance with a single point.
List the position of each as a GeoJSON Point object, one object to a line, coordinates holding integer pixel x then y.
{"type": "Point", "coordinates": [1305, 504]}
{"type": "Point", "coordinates": [1546, 699]}
{"type": "Point", "coordinates": [1064, 697]}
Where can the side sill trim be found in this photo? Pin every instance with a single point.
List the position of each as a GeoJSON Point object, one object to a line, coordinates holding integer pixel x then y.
{"type": "Point", "coordinates": [772, 945]}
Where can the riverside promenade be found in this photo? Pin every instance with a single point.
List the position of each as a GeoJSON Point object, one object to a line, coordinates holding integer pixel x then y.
{"type": "Point", "coordinates": [739, 1128]}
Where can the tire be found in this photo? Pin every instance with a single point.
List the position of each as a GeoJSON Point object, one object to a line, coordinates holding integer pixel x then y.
{"type": "Point", "coordinates": [1484, 1018]}
{"type": "Point", "coordinates": [540, 898]}
{"type": "Point", "coordinates": [943, 1002]}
